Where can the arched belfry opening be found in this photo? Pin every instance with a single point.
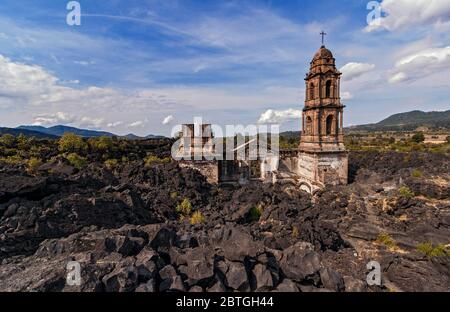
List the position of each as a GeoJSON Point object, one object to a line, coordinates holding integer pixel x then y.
{"type": "Point", "coordinates": [328, 89]}
{"type": "Point", "coordinates": [311, 91]}
{"type": "Point", "coordinates": [329, 125]}
{"type": "Point", "coordinates": [309, 124]}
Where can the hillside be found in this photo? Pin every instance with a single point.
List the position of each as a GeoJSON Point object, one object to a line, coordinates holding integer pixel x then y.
{"type": "Point", "coordinates": [60, 130]}
{"type": "Point", "coordinates": [16, 132]}
{"type": "Point", "coordinates": [409, 121]}
{"type": "Point", "coordinates": [57, 131]}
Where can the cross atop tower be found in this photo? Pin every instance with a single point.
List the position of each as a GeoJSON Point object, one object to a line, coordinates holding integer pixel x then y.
{"type": "Point", "coordinates": [323, 36]}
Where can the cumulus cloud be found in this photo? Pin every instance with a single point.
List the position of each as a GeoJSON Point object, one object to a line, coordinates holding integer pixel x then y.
{"type": "Point", "coordinates": [271, 116]}
{"type": "Point", "coordinates": [353, 70]}
{"type": "Point", "coordinates": [420, 64]}
{"type": "Point", "coordinates": [346, 95]}
{"type": "Point", "coordinates": [167, 120]}
{"type": "Point", "coordinates": [50, 101]}
{"type": "Point", "coordinates": [401, 14]}
{"type": "Point", "coordinates": [53, 119]}
{"type": "Point", "coordinates": [136, 124]}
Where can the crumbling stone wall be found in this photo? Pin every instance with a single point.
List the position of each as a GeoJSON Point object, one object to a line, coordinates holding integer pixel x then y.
{"type": "Point", "coordinates": [209, 169]}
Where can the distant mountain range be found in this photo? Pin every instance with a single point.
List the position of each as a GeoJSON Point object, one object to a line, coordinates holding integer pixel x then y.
{"type": "Point", "coordinates": [409, 121]}
{"type": "Point", "coordinates": [57, 131]}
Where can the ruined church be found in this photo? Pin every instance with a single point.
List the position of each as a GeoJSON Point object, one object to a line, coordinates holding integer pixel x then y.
{"type": "Point", "coordinates": [320, 159]}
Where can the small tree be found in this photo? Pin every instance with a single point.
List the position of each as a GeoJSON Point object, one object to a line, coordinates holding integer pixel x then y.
{"type": "Point", "coordinates": [101, 144]}
{"type": "Point", "coordinates": [7, 140]}
{"type": "Point", "coordinates": [418, 137]}
{"type": "Point", "coordinates": [71, 143]}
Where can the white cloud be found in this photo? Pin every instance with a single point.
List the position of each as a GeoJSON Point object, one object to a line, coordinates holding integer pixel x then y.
{"type": "Point", "coordinates": [84, 63]}
{"type": "Point", "coordinates": [346, 95]}
{"type": "Point", "coordinates": [43, 96]}
{"type": "Point", "coordinates": [397, 77]}
{"type": "Point", "coordinates": [353, 70]}
{"type": "Point", "coordinates": [92, 123]}
{"type": "Point", "coordinates": [420, 64]}
{"type": "Point", "coordinates": [271, 116]}
{"type": "Point", "coordinates": [402, 14]}
{"type": "Point", "coordinates": [114, 124]}
{"type": "Point", "coordinates": [53, 119]}
{"type": "Point", "coordinates": [167, 120]}
{"type": "Point", "coordinates": [136, 124]}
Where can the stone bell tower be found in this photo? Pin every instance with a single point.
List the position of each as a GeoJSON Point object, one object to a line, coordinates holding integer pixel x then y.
{"type": "Point", "coordinates": [323, 112]}
{"type": "Point", "coordinates": [323, 158]}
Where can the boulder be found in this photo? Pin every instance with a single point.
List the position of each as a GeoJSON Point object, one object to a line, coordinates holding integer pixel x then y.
{"type": "Point", "coordinates": [300, 262]}
{"type": "Point", "coordinates": [236, 277]}
{"type": "Point", "coordinates": [354, 285]}
{"type": "Point", "coordinates": [264, 279]}
{"type": "Point", "coordinates": [287, 285]}
{"type": "Point", "coordinates": [332, 280]}
{"type": "Point", "coordinates": [121, 279]}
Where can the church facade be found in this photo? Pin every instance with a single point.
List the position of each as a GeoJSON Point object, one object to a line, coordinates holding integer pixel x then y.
{"type": "Point", "coordinates": [320, 159]}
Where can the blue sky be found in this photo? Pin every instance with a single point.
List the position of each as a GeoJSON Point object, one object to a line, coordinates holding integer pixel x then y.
{"type": "Point", "coordinates": [131, 65]}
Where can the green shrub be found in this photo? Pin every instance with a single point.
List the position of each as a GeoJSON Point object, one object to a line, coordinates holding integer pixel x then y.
{"type": "Point", "coordinates": [33, 163]}
{"type": "Point", "coordinates": [416, 173]}
{"type": "Point", "coordinates": [153, 160]}
{"type": "Point", "coordinates": [101, 144]}
{"type": "Point", "coordinates": [418, 137]}
{"type": "Point", "coordinates": [387, 240]}
{"type": "Point", "coordinates": [255, 213]}
{"type": "Point", "coordinates": [431, 251]}
{"type": "Point", "coordinates": [71, 143]}
{"type": "Point", "coordinates": [405, 192]}
{"type": "Point", "coordinates": [7, 140]}
{"type": "Point", "coordinates": [184, 209]}
{"type": "Point", "coordinates": [111, 164]}
{"type": "Point", "coordinates": [76, 160]}
{"type": "Point", "coordinates": [197, 218]}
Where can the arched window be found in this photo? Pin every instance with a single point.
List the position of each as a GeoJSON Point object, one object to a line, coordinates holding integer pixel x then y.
{"type": "Point", "coordinates": [328, 89]}
{"type": "Point", "coordinates": [308, 129]}
{"type": "Point", "coordinates": [329, 124]}
{"type": "Point", "coordinates": [311, 91]}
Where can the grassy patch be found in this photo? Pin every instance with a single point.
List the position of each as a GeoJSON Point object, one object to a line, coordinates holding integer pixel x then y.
{"type": "Point", "coordinates": [153, 160]}
{"type": "Point", "coordinates": [295, 232]}
{"type": "Point", "coordinates": [184, 209]}
{"type": "Point", "coordinates": [431, 251]}
{"type": "Point", "coordinates": [197, 218]}
{"type": "Point", "coordinates": [386, 240]}
{"type": "Point", "coordinates": [416, 173]}
{"type": "Point", "coordinates": [405, 192]}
